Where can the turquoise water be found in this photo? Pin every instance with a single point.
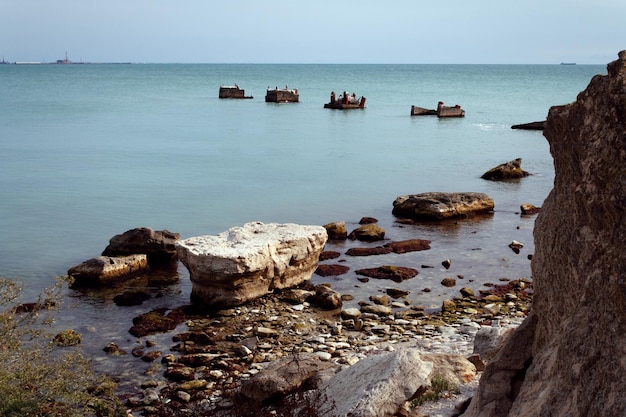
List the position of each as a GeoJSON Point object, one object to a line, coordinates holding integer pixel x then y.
{"type": "Point", "coordinates": [90, 151]}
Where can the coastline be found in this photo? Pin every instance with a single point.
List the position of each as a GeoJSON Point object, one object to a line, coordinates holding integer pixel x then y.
{"type": "Point", "coordinates": [226, 347]}
{"type": "Point", "coordinates": [430, 316]}
{"type": "Point", "coordinates": [272, 328]}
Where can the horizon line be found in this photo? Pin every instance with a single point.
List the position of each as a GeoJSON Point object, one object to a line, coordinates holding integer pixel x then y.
{"type": "Point", "coordinates": [284, 63]}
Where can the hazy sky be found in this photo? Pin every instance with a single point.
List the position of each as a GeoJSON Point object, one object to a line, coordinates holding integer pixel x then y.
{"type": "Point", "coordinates": [320, 31]}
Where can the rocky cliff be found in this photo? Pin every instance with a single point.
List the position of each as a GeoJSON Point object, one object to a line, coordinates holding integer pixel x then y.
{"type": "Point", "coordinates": [569, 357]}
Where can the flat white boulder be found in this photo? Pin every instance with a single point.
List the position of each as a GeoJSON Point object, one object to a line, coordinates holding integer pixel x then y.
{"type": "Point", "coordinates": [247, 262]}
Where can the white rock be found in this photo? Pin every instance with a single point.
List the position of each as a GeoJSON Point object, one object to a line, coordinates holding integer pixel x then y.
{"type": "Point", "coordinates": [375, 386]}
{"type": "Point", "coordinates": [247, 262]}
{"type": "Point", "coordinates": [216, 373]}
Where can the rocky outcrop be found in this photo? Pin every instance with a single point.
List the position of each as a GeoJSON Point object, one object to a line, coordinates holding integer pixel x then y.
{"type": "Point", "coordinates": [506, 171]}
{"type": "Point", "coordinates": [529, 126]}
{"type": "Point", "coordinates": [441, 206]}
{"type": "Point", "coordinates": [159, 246]}
{"type": "Point", "coordinates": [105, 270]}
{"type": "Point", "coordinates": [567, 359]}
{"type": "Point", "coordinates": [247, 262]}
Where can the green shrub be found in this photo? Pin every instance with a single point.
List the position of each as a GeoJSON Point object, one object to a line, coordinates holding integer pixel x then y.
{"type": "Point", "coordinates": [38, 377]}
{"type": "Point", "coordinates": [440, 387]}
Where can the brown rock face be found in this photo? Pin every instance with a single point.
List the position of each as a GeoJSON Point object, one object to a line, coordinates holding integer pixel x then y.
{"type": "Point", "coordinates": [577, 364]}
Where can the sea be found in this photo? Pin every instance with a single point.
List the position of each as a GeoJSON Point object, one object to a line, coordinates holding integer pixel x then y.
{"type": "Point", "coordinates": [88, 151]}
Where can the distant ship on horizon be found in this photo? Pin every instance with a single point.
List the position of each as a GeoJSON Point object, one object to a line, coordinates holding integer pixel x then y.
{"type": "Point", "coordinates": [64, 61]}
{"type": "Point", "coordinates": [568, 63]}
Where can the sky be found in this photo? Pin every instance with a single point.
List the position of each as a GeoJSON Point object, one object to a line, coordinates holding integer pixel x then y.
{"type": "Point", "coordinates": [320, 31]}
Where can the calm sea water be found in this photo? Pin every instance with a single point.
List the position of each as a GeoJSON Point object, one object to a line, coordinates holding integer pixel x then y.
{"type": "Point", "coordinates": [90, 151]}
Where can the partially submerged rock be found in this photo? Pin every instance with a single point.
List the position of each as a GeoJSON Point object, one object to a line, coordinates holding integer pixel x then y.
{"type": "Point", "coordinates": [155, 321]}
{"type": "Point", "coordinates": [378, 250]}
{"type": "Point", "coordinates": [105, 270]}
{"type": "Point", "coordinates": [131, 298]}
{"type": "Point", "coordinates": [394, 273]}
{"type": "Point", "coordinates": [336, 230]}
{"type": "Point", "coordinates": [506, 171]}
{"type": "Point", "coordinates": [528, 209]}
{"type": "Point", "coordinates": [441, 206]}
{"type": "Point", "coordinates": [402, 246]}
{"type": "Point", "coordinates": [68, 337]}
{"type": "Point", "coordinates": [411, 245]}
{"type": "Point", "coordinates": [159, 246]}
{"type": "Point", "coordinates": [250, 261]}
{"type": "Point", "coordinates": [328, 270]}
{"type": "Point", "coordinates": [368, 232]}
{"type": "Point", "coordinates": [326, 255]}
{"type": "Point", "coordinates": [529, 126]}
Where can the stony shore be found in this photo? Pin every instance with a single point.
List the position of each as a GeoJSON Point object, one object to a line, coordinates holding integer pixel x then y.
{"type": "Point", "coordinates": [199, 358]}
{"type": "Point", "coordinates": [203, 369]}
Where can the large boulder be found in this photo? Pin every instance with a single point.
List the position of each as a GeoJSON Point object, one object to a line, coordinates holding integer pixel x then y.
{"type": "Point", "coordinates": [106, 270]}
{"type": "Point", "coordinates": [376, 386]}
{"type": "Point", "coordinates": [506, 171]}
{"type": "Point", "coordinates": [441, 206]}
{"type": "Point", "coordinates": [569, 357]}
{"type": "Point", "coordinates": [289, 374]}
{"type": "Point", "coordinates": [247, 262]}
{"type": "Point", "coordinates": [159, 246]}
